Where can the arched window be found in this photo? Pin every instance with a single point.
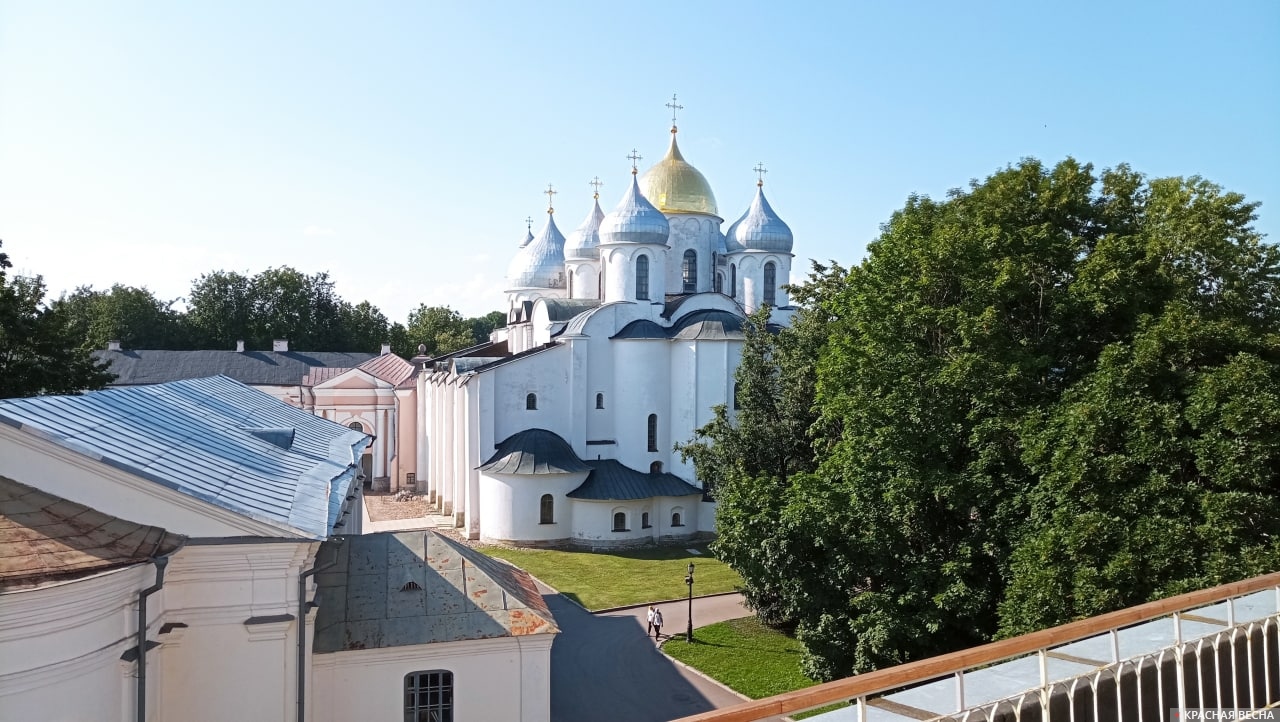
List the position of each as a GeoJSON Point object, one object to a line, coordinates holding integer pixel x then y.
{"type": "Point", "coordinates": [547, 510]}
{"type": "Point", "coordinates": [689, 270]}
{"type": "Point", "coordinates": [531, 402]}
{"type": "Point", "coordinates": [655, 467]}
{"type": "Point", "coordinates": [642, 278]}
{"type": "Point", "coordinates": [733, 280]}
{"type": "Point", "coordinates": [771, 284]}
{"type": "Point", "coordinates": [619, 521]}
{"type": "Point", "coordinates": [736, 404]}
{"type": "Point", "coordinates": [599, 401]}
{"type": "Point", "coordinates": [644, 520]}
{"type": "Point", "coordinates": [675, 519]}
{"type": "Point", "coordinates": [719, 283]}
{"type": "Point", "coordinates": [653, 432]}
{"type": "Point", "coordinates": [571, 284]}
{"type": "Point", "coordinates": [357, 426]}
{"type": "Point", "coordinates": [429, 695]}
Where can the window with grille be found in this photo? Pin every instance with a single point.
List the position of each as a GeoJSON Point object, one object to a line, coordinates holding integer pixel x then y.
{"type": "Point", "coordinates": [653, 432]}
{"type": "Point", "coordinates": [531, 402]}
{"type": "Point", "coordinates": [771, 284]}
{"type": "Point", "coordinates": [689, 269]}
{"type": "Point", "coordinates": [642, 278]}
{"type": "Point", "coordinates": [733, 280]}
{"type": "Point", "coordinates": [599, 401]}
{"type": "Point", "coordinates": [619, 521]}
{"type": "Point", "coordinates": [547, 511]}
{"type": "Point", "coordinates": [428, 696]}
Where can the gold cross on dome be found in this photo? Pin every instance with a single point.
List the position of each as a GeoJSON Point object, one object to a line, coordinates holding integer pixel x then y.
{"type": "Point", "coordinates": [595, 183]}
{"type": "Point", "coordinates": [760, 171]}
{"type": "Point", "coordinates": [551, 196]}
{"type": "Point", "coordinates": [674, 108]}
{"type": "Point", "coordinates": [634, 158]}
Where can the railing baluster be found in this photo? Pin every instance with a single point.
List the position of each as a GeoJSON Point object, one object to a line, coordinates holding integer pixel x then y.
{"type": "Point", "coordinates": [1248, 656]}
{"type": "Point", "coordinates": [1200, 673]}
{"type": "Point", "coordinates": [862, 709]}
{"type": "Point", "coordinates": [1179, 662]}
{"type": "Point", "coordinates": [960, 691]}
{"type": "Point", "coordinates": [1137, 680]}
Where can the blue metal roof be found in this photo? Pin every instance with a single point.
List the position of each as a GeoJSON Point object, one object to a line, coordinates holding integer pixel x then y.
{"type": "Point", "coordinates": [205, 438]}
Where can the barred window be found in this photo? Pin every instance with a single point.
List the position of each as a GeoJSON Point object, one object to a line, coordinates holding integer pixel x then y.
{"type": "Point", "coordinates": [642, 278]}
{"type": "Point", "coordinates": [653, 432]}
{"type": "Point", "coordinates": [771, 284]}
{"type": "Point", "coordinates": [428, 696]}
{"type": "Point", "coordinates": [547, 510]}
{"type": "Point", "coordinates": [689, 269]}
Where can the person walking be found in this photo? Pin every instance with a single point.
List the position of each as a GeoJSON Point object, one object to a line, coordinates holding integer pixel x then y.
{"type": "Point", "coordinates": [657, 624]}
{"type": "Point", "coordinates": [649, 629]}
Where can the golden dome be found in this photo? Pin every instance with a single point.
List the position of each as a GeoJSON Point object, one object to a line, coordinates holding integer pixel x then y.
{"type": "Point", "coordinates": [674, 186]}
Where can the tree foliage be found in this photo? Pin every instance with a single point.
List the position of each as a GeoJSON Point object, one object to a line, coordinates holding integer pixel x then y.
{"type": "Point", "coordinates": [132, 316]}
{"type": "Point", "coordinates": [1047, 396]}
{"type": "Point", "coordinates": [39, 353]}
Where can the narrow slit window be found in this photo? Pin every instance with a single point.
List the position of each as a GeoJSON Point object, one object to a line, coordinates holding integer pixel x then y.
{"type": "Point", "coordinates": [653, 432]}
{"type": "Point", "coordinates": [531, 402]}
{"type": "Point", "coordinates": [642, 278]}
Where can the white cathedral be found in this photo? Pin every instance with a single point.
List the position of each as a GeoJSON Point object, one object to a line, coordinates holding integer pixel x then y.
{"type": "Point", "coordinates": [620, 341]}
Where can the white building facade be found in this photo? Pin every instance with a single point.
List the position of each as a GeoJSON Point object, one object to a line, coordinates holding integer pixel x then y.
{"type": "Point", "coordinates": [621, 340]}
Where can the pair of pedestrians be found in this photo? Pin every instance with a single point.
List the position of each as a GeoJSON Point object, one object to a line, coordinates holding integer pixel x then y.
{"type": "Point", "coordinates": [655, 622]}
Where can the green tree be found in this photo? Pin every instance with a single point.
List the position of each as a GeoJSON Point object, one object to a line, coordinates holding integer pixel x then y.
{"type": "Point", "coordinates": [1013, 370]}
{"type": "Point", "coordinates": [132, 316]}
{"type": "Point", "coordinates": [39, 354]}
{"type": "Point", "coordinates": [440, 328]}
{"type": "Point", "coordinates": [362, 327]}
{"type": "Point", "coordinates": [220, 310]}
{"type": "Point", "coordinates": [482, 326]}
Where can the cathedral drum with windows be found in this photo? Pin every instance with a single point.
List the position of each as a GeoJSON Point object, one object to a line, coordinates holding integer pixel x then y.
{"type": "Point", "coordinates": [621, 340]}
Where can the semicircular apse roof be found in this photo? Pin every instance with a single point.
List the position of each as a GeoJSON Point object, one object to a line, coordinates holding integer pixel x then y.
{"type": "Point", "coordinates": [534, 452]}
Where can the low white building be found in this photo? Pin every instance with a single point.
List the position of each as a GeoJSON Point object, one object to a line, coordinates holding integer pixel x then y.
{"type": "Point", "coordinates": [621, 340]}
{"type": "Point", "coordinates": [159, 548]}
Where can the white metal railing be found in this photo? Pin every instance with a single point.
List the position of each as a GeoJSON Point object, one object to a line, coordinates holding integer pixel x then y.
{"type": "Point", "coordinates": [1212, 649]}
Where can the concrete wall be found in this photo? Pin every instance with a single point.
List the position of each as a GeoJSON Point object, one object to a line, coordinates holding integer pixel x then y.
{"type": "Point", "coordinates": [506, 679]}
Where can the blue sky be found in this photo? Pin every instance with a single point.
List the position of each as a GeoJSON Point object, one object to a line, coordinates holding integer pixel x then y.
{"type": "Point", "coordinates": [399, 146]}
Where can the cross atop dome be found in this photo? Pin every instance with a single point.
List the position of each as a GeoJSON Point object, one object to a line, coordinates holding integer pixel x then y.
{"type": "Point", "coordinates": [634, 158]}
{"type": "Point", "coordinates": [528, 223]}
{"type": "Point", "coordinates": [551, 196]}
{"type": "Point", "coordinates": [674, 109]}
{"type": "Point", "coordinates": [595, 183]}
{"type": "Point", "coordinates": [760, 171]}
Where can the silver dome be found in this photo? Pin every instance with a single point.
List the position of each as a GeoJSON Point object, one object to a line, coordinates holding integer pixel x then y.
{"type": "Point", "coordinates": [760, 229]}
{"type": "Point", "coordinates": [584, 242]}
{"type": "Point", "coordinates": [541, 263]}
{"type": "Point", "coordinates": [528, 238]}
{"type": "Point", "coordinates": [635, 220]}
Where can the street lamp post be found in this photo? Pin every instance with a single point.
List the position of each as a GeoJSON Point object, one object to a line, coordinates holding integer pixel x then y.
{"type": "Point", "coordinates": [688, 635]}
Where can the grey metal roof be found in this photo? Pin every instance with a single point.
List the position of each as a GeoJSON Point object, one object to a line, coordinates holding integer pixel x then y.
{"type": "Point", "coordinates": [641, 328]}
{"type": "Point", "coordinates": [579, 322]}
{"type": "Point", "coordinates": [709, 324]}
{"type": "Point", "coordinates": [534, 452]}
{"type": "Point", "coordinates": [563, 309]}
{"type": "Point", "coordinates": [392, 590]}
{"type": "Point", "coordinates": [541, 263]}
{"type": "Point", "coordinates": [610, 480]}
{"type": "Point", "coordinates": [584, 241]}
{"type": "Point", "coordinates": [635, 220]}
{"type": "Point", "coordinates": [133, 368]}
{"type": "Point", "coordinates": [214, 439]}
{"type": "Point", "coordinates": [759, 229]}
{"type": "Point", "coordinates": [46, 538]}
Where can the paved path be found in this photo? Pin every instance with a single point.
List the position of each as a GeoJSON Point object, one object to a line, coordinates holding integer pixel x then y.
{"type": "Point", "coordinates": [604, 667]}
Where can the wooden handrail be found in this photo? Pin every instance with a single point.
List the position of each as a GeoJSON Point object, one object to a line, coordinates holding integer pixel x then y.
{"type": "Point", "coordinates": [880, 680]}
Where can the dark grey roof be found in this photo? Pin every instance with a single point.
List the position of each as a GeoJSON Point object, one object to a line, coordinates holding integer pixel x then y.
{"type": "Point", "coordinates": [641, 328]}
{"type": "Point", "coordinates": [392, 590]}
{"type": "Point", "coordinates": [133, 368]}
{"type": "Point", "coordinates": [710, 324]}
{"type": "Point", "coordinates": [563, 309]}
{"type": "Point", "coordinates": [214, 439]}
{"type": "Point", "coordinates": [610, 480]}
{"type": "Point", "coordinates": [534, 451]}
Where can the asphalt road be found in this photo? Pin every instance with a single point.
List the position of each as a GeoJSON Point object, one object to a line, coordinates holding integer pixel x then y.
{"type": "Point", "coordinates": [605, 668]}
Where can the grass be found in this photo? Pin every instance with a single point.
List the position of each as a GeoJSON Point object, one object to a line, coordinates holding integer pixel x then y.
{"type": "Point", "coordinates": [600, 580]}
{"type": "Point", "coordinates": [746, 656]}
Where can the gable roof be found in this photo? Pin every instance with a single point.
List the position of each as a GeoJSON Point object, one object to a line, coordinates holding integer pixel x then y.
{"type": "Point", "coordinates": [392, 590]}
{"type": "Point", "coordinates": [389, 367]}
{"type": "Point", "coordinates": [47, 539]}
{"type": "Point", "coordinates": [133, 368]}
{"type": "Point", "coordinates": [611, 480]}
{"type": "Point", "coordinates": [214, 439]}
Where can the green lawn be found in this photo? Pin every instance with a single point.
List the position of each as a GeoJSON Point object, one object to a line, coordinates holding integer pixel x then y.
{"type": "Point", "coordinates": [746, 656]}
{"type": "Point", "coordinates": [599, 580]}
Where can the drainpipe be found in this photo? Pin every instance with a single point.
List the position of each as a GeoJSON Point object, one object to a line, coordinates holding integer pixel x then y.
{"type": "Point", "coordinates": [160, 563]}
{"type": "Point", "coordinates": [302, 634]}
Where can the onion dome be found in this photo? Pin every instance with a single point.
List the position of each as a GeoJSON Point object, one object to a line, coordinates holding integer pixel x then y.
{"type": "Point", "coordinates": [541, 263]}
{"type": "Point", "coordinates": [759, 229]}
{"type": "Point", "coordinates": [528, 238]}
{"type": "Point", "coordinates": [635, 220]}
{"type": "Point", "coordinates": [584, 242]}
{"type": "Point", "coordinates": [674, 186]}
